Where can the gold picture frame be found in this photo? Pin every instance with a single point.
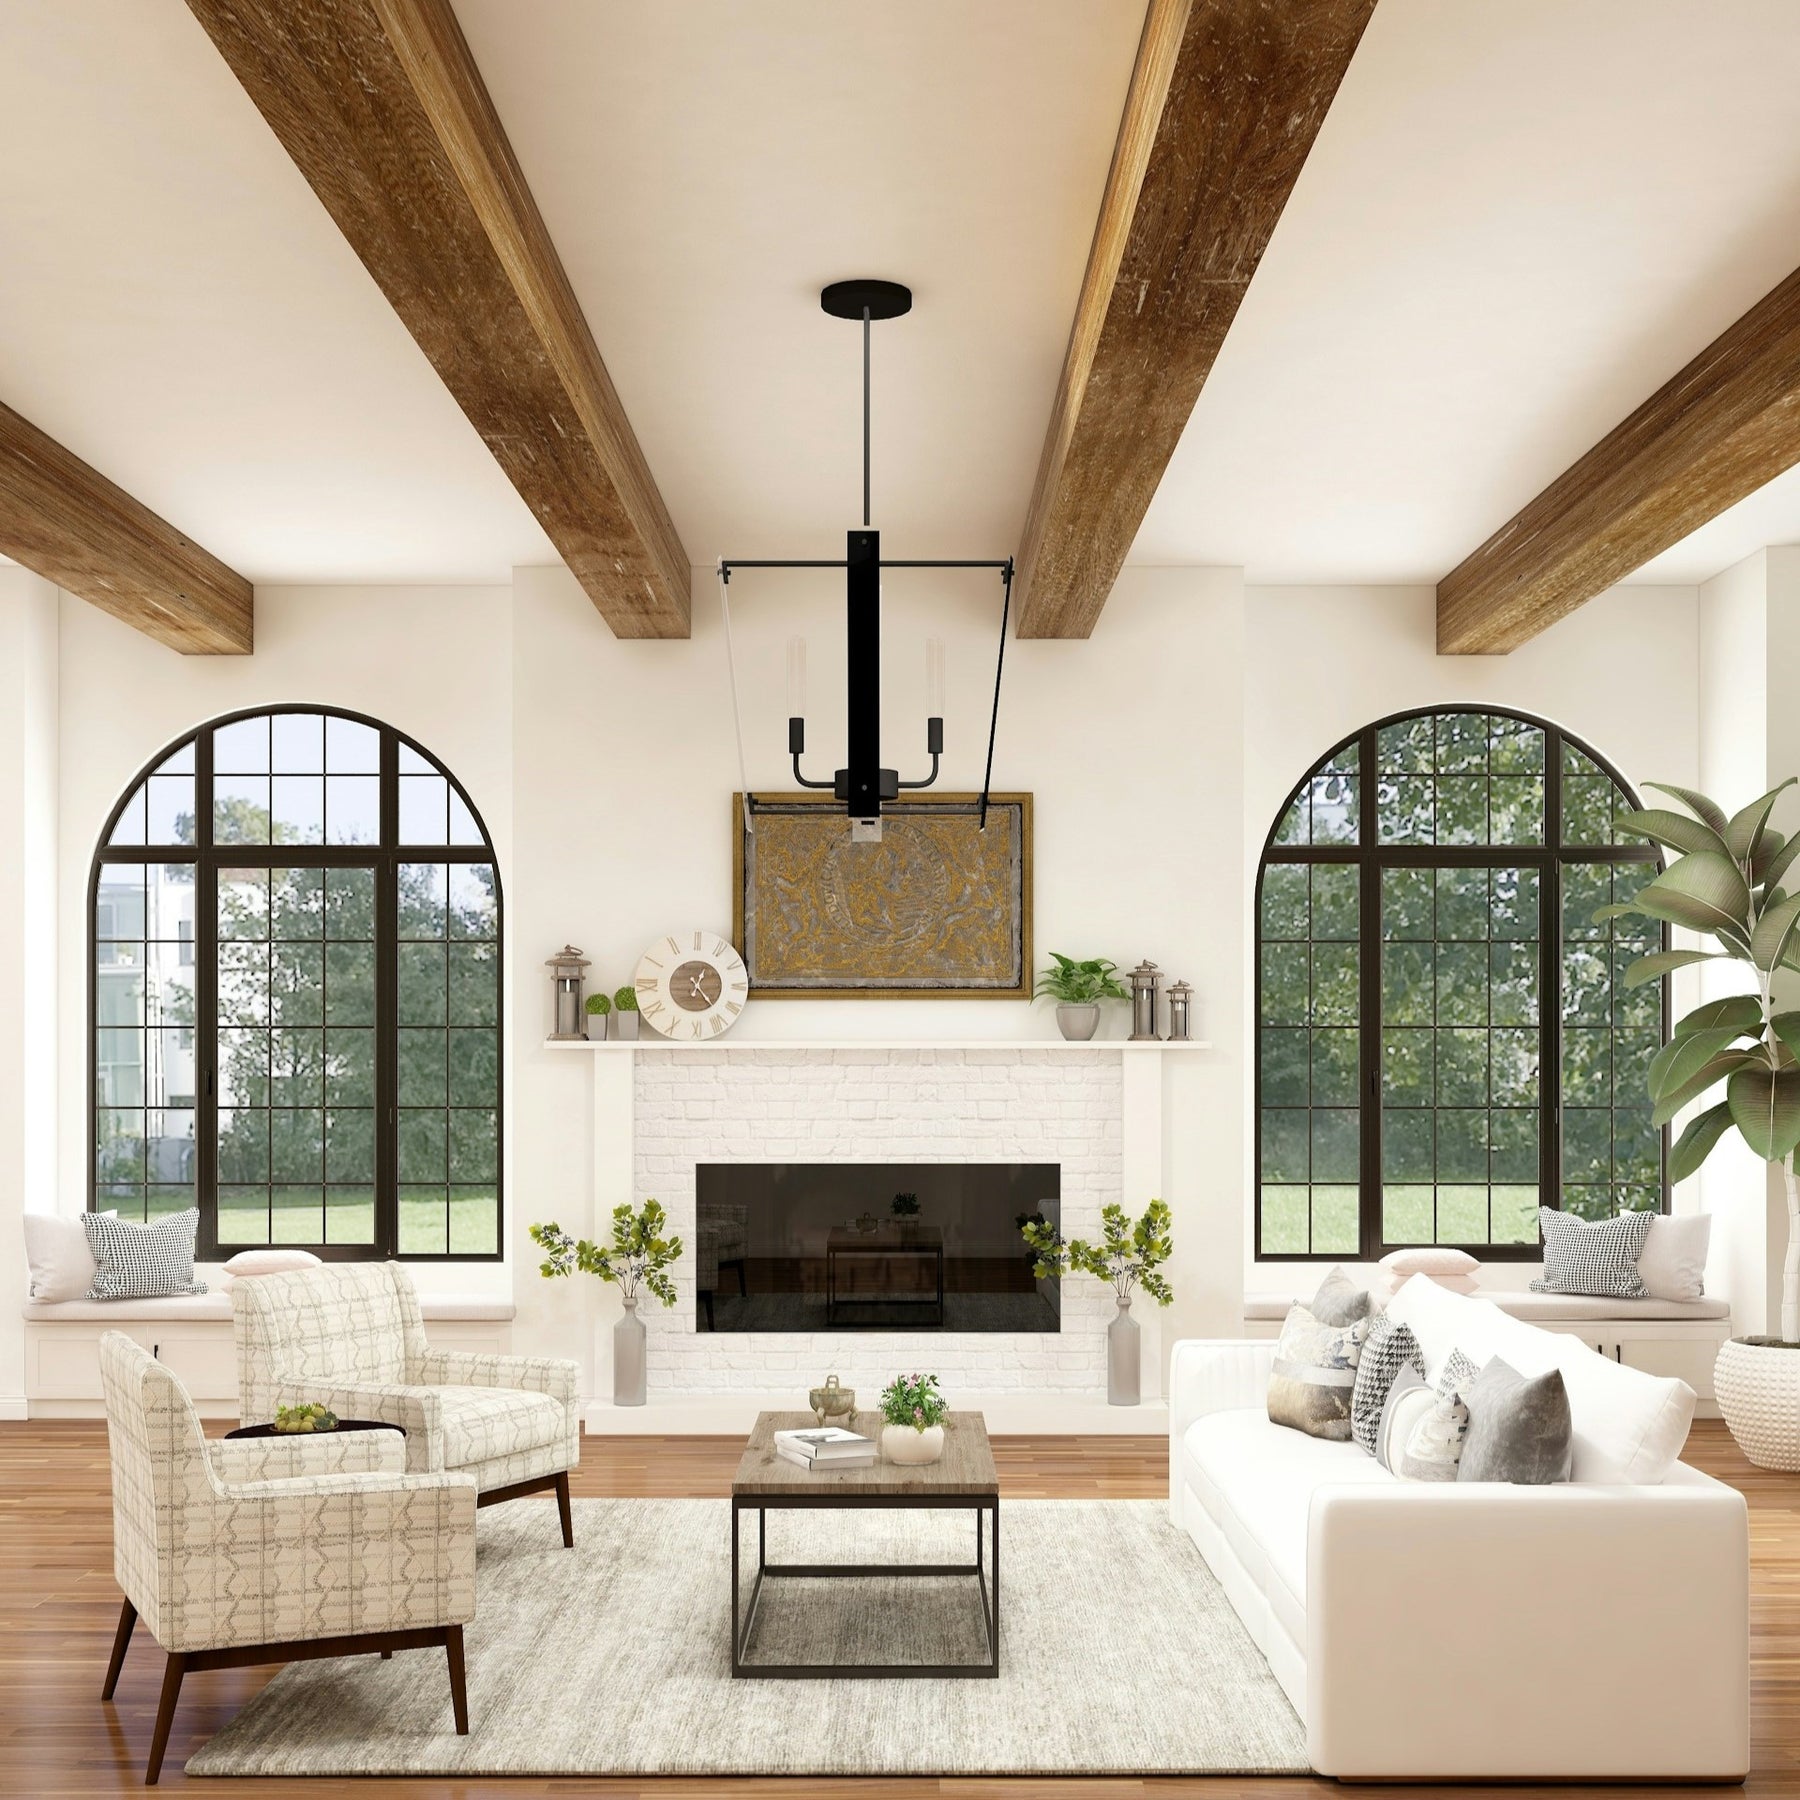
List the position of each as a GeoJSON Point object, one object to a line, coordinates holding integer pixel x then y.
{"type": "Point", "coordinates": [937, 911]}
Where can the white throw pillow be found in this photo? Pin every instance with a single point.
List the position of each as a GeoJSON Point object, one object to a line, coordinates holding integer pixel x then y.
{"type": "Point", "coordinates": [1629, 1426]}
{"type": "Point", "coordinates": [270, 1262]}
{"type": "Point", "coordinates": [1431, 1259]}
{"type": "Point", "coordinates": [57, 1254]}
{"type": "Point", "coordinates": [1673, 1259]}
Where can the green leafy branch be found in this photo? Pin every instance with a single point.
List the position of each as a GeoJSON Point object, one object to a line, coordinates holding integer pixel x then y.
{"type": "Point", "coordinates": [1128, 1255]}
{"type": "Point", "coordinates": [1073, 983]}
{"type": "Point", "coordinates": [639, 1254]}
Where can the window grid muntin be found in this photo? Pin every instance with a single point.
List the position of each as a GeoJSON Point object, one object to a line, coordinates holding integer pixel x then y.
{"type": "Point", "coordinates": [1552, 857]}
{"type": "Point", "coordinates": [206, 857]}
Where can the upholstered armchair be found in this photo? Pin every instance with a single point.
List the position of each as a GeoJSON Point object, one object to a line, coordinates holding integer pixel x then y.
{"type": "Point", "coordinates": [274, 1549]}
{"type": "Point", "coordinates": [350, 1336]}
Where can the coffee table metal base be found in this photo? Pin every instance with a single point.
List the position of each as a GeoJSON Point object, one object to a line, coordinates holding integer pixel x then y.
{"type": "Point", "coordinates": [985, 1568]}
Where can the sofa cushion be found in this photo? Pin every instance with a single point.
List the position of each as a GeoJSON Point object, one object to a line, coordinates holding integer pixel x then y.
{"type": "Point", "coordinates": [1629, 1426]}
{"type": "Point", "coordinates": [1597, 1256]}
{"type": "Point", "coordinates": [1257, 1479]}
{"type": "Point", "coordinates": [1339, 1301]}
{"type": "Point", "coordinates": [1314, 1377]}
{"type": "Point", "coordinates": [1673, 1259]}
{"type": "Point", "coordinates": [1391, 1347]}
{"type": "Point", "coordinates": [1519, 1428]}
{"type": "Point", "coordinates": [481, 1423]}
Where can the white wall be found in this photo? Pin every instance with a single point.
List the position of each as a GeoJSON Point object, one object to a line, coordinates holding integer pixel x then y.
{"type": "Point", "coordinates": [1749, 741]}
{"type": "Point", "coordinates": [1132, 744]}
{"type": "Point", "coordinates": [1322, 662]}
{"type": "Point", "coordinates": [28, 931]}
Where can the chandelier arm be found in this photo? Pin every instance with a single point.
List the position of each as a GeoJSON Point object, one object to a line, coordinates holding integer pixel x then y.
{"type": "Point", "coordinates": [737, 722]}
{"type": "Point", "coordinates": [987, 779]}
{"type": "Point", "coordinates": [929, 779]}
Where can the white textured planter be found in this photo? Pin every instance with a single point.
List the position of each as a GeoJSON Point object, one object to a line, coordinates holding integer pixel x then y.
{"type": "Point", "coordinates": [1758, 1388]}
{"type": "Point", "coordinates": [904, 1444]}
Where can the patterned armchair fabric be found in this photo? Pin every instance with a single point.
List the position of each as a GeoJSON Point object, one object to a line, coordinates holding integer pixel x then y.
{"type": "Point", "coordinates": [723, 1237]}
{"type": "Point", "coordinates": [351, 1336]}
{"type": "Point", "coordinates": [268, 1541]}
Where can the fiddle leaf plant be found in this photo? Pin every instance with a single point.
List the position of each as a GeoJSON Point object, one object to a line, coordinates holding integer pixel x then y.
{"type": "Point", "coordinates": [1726, 884]}
{"type": "Point", "coordinates": [1127, 1255]}
{"type": "Point", "coordinates": [639, 1256]}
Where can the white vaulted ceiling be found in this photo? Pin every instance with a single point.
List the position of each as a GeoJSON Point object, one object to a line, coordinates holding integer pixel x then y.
{"type": "Point", "coordinates": [1520, 217]}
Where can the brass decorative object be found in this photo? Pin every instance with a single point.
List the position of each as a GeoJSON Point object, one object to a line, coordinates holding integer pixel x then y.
{"type": "Point", "coordinates": [831, 1401]}
{"type": "Point", "coordinates": [938, 909]}
{"type": "Point", "coordinates": [1146, 980]}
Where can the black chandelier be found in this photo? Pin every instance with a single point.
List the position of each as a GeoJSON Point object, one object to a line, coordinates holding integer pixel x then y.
{"type": "Point", "coordinates": [863, 785]}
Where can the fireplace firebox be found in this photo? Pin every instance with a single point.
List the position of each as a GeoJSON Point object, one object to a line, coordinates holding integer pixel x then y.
{"type": "Point", "coordinates": [873, 1246]}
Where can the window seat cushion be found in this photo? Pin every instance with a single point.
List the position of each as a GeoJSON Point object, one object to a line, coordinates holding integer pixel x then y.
{"type": "Point", "coordinates": [1542, 1308]}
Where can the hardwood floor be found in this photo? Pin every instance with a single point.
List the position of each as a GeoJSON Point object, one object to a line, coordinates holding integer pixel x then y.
{"type": "Point", "coordinates": [58, 1608]}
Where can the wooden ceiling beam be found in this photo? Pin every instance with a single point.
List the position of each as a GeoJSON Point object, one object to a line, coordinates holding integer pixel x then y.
{"type": "Point", "coordinates": [1225, 100]}
{"type": "Point", "coordinates": [69, 524]}
{"type": "Point", "coordinates": [1717, 431]}
{"type": "Point", "coordinates": [381, 107]}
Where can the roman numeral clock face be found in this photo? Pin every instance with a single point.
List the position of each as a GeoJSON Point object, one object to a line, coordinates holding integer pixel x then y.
{"type": "Point", "coordinates": [692, 987]}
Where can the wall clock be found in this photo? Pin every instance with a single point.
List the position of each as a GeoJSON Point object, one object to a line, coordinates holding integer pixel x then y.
{"type": "Point", "coordinates": [692, 986]}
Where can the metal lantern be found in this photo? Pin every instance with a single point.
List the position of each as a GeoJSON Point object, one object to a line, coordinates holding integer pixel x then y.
{"type": "Point", "coordinates": [1181, 1012]}
{"type": "Point", "coordinates": [568, 963]}
{"type": "Point", "coordinates": [1145, 980]}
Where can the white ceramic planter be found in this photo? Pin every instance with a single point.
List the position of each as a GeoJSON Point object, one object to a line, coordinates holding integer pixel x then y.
{"type": "Point", "coordinates": [1758, 1389]}
{"type": "Point", "coordinates": [904, 1444]}
{"type": "Point", "coordinates": [1077, 1023]}
{"type": "Point", "coordinates": [596, 1024]}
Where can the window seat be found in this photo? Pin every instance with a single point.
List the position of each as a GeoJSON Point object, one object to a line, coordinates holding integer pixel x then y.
{"type": "Point", "coordinates": [192, 1335]}
{"type": "Point", "coordinates": [1545, 1309]}
{"type": "Point", "coordinates": [1662, 1337]}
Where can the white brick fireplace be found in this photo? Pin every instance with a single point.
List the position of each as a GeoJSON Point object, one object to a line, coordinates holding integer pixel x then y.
{"type": "Point", "coordinates": [661, 1109]}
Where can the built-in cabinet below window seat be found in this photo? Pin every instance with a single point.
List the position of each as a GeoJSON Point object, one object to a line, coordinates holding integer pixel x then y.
{"type": "Point", "coordinates": [192, 1335]}
{"type": "Point", "coordinates": [1662, 1337]}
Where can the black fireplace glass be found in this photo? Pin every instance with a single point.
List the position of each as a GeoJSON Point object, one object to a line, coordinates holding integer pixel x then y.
{"type": "Point", "coordinates": [873, 1246]}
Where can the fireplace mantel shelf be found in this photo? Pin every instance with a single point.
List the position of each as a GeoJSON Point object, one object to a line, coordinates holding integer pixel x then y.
{"type": "Point", "coordinates": [1056, 1046]}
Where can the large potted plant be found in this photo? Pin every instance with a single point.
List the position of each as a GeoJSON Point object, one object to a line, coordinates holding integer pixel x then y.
{"type": "Point", "coordinates": [638, 1257]}
{"type": "Point", "coordinates": [1127, 1256]}
{"type": "Point", "coordinates": [1726, 882]}
{"type": "Point", "coordinates": [1078, 988]}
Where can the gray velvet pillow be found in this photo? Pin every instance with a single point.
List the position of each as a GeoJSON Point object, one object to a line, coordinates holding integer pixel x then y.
{"type": "Point", "coordinates": [1519, 1427]}
{"type": "Point", "coordinates": [1340, 1301]}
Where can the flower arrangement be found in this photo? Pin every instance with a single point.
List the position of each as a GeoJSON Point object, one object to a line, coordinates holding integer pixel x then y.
{"type": "Point", "coordinates": [905, 1206]}
{"type": "Point", "coordinates": [914, 1400]}
{"type": "Point", "coordinates": [1128, 1255]}
{"type": "Point", "coordinates": [639, 1256]}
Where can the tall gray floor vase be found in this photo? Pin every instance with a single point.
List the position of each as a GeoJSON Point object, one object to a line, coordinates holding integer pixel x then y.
{"type": "Point", "coordinates": [1122, 1357]}
{"type": "Point", "coordinates": [628, 1358]}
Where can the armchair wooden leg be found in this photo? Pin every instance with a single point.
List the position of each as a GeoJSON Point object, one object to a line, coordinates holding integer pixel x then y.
{"type": "Point", "coordinates": [127, 1619]}
{"type": "Point", "coordinates": [165, 1715]}
{"type": "Point", "coordinates": [387, 1656]}
{"type": "Point", "coordinates": [562, 1507]}
{"type": "Point", "coordinates": [459, 1691]}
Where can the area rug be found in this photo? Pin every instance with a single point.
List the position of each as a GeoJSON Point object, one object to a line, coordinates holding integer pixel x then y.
{"type": "Point", "coordinates": [1119, 1654]}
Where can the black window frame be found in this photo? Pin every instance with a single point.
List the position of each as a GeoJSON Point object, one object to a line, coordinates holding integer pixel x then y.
{"type": "Point", "coordinates": [1371, 857]}
{"type": "Point", "coordinates": [386, 858]}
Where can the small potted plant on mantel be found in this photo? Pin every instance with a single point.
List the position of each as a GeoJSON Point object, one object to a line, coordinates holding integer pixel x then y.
{"type": "Point", "coordinates": [1726, 883]}
{"type": "Point", "coordinates": [625, 1014]}
{"type": "Point", "coordinates": [1128, 1256]}
{"type": "Point", "coordinates": [1078, 988]}
{"type": "Point", "coordinates": [914, 1413]}
{"type": "Point", "coordinates": [598, 1006]}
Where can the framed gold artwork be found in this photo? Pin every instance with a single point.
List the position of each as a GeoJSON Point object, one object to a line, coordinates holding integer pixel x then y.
{"type": "Point", "coordinates": [937, 910]}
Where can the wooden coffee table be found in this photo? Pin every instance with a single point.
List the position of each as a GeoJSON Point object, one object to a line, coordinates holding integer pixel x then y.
{"type": "Point", "coordinates": [962, 1479]}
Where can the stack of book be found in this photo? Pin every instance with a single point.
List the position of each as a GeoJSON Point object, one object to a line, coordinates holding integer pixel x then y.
{"type": "Point", "coordinates": [829, 1447]}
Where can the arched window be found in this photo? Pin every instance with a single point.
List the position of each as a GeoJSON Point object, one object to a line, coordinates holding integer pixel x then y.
{"type": "Point", "coordinates": [295, 995]}
{"type": "Point", "coordinates": [1444, 1037]}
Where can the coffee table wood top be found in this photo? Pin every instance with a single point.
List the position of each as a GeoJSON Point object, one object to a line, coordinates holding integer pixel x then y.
{"type": "Point", "coordinates": [966, 1467]}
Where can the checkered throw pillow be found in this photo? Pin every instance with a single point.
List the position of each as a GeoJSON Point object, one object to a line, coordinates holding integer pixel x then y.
{"type": "Point", "coordinates": [1599, 1258]}
{"type": "Point", "coordinates": [1390, 1348]}
{"type": "Point", "coordinates": [141, 1262]}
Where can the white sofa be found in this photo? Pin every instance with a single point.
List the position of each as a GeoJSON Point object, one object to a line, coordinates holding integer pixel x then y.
{"type": "Point", "coordinates": [1593, 1630]}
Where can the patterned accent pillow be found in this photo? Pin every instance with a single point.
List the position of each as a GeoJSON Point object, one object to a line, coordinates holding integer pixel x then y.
{"type": "Point", "coordinates": [1314, 1377]}
{"type": "Point", "coordinates": [1391, 1348]}
{"type": "Point", "coordinates": [1422, 1431]}
{"type": "Point", "coordinates": [142, 1262]}
{"type": "Point", "coordinates": [1457, 1375]}
{"type": "Point", "coordinates": [1599, 1258]}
